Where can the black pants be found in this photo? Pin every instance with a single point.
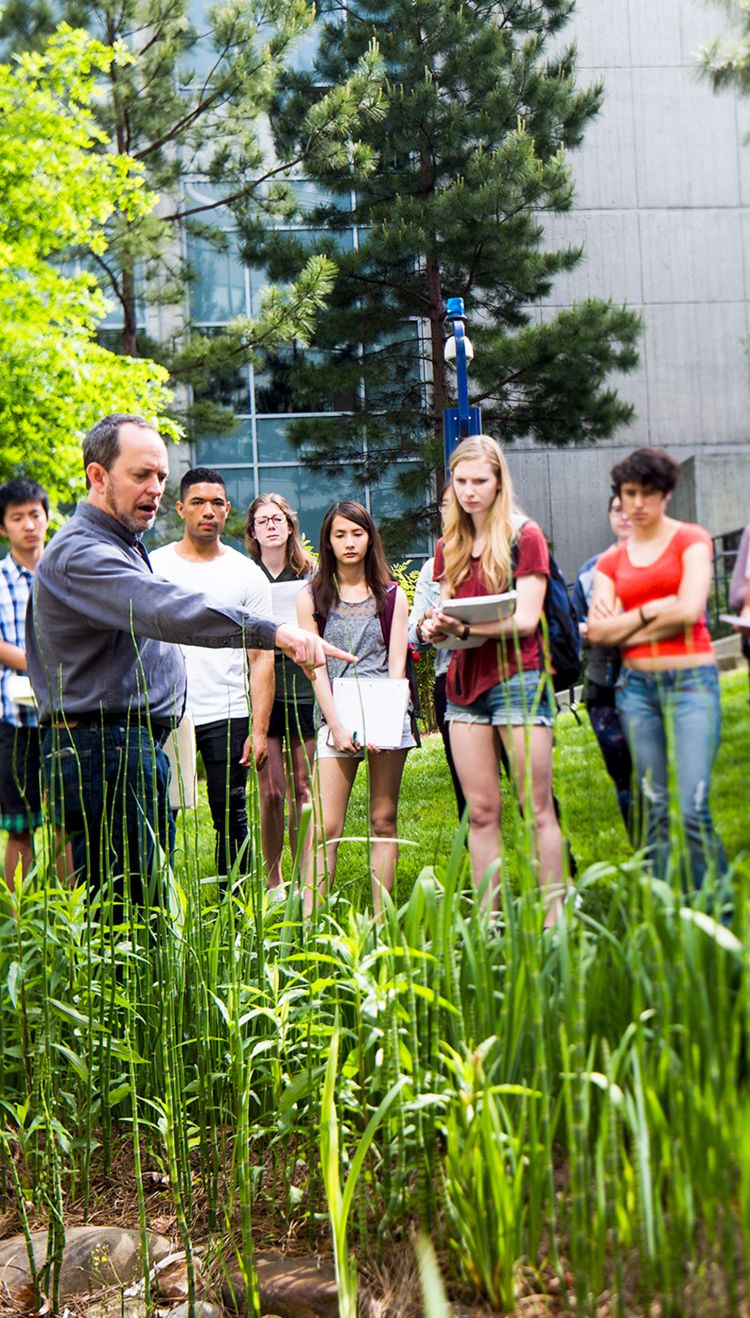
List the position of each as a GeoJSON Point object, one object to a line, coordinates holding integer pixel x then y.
{"type": "Point", "coordinates": [440, 699]}
{"type": "Point", "coordinates": [613, 744]}
{"type": "Point", "coordinates": [221, 745]}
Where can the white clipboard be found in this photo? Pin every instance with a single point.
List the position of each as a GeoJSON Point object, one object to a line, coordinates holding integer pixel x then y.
{"type": "Point", "coordinates": [373, 707]}
{"type": "Point", "coordinates": [284, 600]}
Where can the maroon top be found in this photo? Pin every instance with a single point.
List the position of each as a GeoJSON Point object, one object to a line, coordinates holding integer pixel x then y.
{"type": "Point", "coordinates": [474, 671]}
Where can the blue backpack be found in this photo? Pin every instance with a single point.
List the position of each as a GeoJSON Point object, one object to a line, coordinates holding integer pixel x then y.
{"type": "Point", "coordinates": [562, 628]}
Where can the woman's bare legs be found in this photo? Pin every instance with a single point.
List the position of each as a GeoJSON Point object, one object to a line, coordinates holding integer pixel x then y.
{"type": "Point", "coordinates": [302, 755]}
{"type": "Point", "coordinates": [386, 770]}
{"type": "Point", "coordinates": [548, 838]}
{"type": "Point", "coordinates": [476, 754]}
{"type": "Point", "coordinates": [334, 779]}
{"type": "Point", "coordinates": [272, 792]}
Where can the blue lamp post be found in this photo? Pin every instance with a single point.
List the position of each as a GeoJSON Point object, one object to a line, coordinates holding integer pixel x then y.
{"type": "Point", "coordinates": [461, 421]}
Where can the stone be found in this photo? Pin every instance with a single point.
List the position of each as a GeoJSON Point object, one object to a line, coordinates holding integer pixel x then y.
{"type": "Point", "coordinates": [94, 1257]}
{"type": "Point", "coordinates": [116, 1307]}
{"type": "Point", "coordinates": [291, 1286]}
{"type": "Point", "coordinates": [202, 1310]}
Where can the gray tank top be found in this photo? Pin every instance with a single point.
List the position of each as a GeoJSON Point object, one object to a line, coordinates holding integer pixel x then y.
{"type": "Point", "coordinates": [356, 627]}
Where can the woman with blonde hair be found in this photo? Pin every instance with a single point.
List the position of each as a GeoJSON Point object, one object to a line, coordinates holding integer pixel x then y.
{"type": "Point", "coordinates": [274, 542]}
{"type": "Point", "coordinates": [498, 692]}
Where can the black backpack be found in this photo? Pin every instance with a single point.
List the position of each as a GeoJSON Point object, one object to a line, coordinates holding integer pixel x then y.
{"type": "Point", "coordinates": [563, 637]}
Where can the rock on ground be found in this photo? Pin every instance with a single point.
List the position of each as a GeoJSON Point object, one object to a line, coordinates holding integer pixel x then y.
{"type": "Point", "coordinates": [290, 1287]}
{"type": "Point", "coordinates": [94, 1257]}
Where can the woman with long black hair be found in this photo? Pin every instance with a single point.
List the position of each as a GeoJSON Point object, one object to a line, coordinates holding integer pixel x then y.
{"type": "Point", "coordinates": [353, 596]}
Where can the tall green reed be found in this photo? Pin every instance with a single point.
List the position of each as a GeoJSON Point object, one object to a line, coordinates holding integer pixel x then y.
{"type": "Point", "coordinates": [608, 1106]}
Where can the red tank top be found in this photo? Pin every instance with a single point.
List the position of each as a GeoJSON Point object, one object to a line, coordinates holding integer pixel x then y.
{"type": "Point", "coordinates": [635, 586]}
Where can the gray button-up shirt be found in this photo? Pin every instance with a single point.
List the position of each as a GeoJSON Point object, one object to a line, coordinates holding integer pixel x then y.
{"type": "Point", "coordinates": [98, 620]}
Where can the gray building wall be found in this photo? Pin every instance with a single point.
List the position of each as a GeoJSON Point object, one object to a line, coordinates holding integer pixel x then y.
{"type": "Point", "coordinates": [663, 209]}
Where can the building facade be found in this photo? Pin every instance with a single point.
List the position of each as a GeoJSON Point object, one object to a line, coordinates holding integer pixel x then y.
{"type": "Point", "coordinates": [663, 213]}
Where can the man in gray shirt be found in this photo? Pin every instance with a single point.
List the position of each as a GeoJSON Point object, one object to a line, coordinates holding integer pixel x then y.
{"type": "Point", "coordinates": [108, 687]}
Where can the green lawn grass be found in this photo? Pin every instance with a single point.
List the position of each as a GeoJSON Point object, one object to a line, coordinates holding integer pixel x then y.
{"type": "Point", "coordinates": [591, 820]}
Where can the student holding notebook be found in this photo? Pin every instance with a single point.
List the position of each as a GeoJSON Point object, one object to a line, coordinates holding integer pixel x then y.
{"type": "Point", "coordinates": [352, 595]}
{"type": "Point", "coordinates": [498, 693]}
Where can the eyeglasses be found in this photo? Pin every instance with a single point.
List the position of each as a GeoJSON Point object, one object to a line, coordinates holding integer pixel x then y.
{"type": "Point", "coordinates": [270, 521]}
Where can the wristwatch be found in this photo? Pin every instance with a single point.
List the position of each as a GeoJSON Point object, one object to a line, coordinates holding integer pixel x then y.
{"type": "Point", "coordinates": [466, 633]}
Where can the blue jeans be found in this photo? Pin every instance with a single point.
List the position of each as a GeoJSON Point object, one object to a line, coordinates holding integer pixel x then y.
{"type": "Point", "coordinates": [107, 787]}
{"type": "Point", "coordinates": [672, 721]}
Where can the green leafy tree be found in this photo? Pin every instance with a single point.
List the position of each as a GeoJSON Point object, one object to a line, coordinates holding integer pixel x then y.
{"type": "Point", "coordinates": [472, 156]}
{"type": "Point", "coordinates": [58, 191]}
{"type": "Point", "coordinates": [190, 106]}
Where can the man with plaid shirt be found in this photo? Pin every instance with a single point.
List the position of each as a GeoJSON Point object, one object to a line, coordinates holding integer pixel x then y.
{"type": "Point", "coordinates": [24, 518]}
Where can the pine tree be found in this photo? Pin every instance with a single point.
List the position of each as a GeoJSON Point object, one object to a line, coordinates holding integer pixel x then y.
{"type": "Point", "coordinates": [482, 106]}
{"type": "Point", "coordinates": [191, 103]}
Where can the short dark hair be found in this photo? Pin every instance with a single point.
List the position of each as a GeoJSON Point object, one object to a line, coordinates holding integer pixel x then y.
{"type": "Point", "coordinates": [20, 490]}
{"type": "Point", "coordinates": [651, 467]}
{"type": "Point", "coordinates": [102, 443]}
{"type": "Point", "coordinates": [201, 476]}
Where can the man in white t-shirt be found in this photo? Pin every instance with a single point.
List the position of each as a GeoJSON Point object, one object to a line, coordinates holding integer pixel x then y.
{"type": "Point", "coordinates": [221, 686]}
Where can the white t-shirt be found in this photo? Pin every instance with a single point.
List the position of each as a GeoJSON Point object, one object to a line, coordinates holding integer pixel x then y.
{"type": "Point", "coordinates": [217, 678]}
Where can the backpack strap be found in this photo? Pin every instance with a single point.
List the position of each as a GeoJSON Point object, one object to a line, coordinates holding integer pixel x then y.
{"type": "Point", "coordinates": [387, 612]}
{"type": "Point", "coordinates": [320, 618]}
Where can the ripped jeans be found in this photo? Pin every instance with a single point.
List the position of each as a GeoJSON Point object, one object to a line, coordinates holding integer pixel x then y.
{"type": "Point", "coordinates": [672, 720]}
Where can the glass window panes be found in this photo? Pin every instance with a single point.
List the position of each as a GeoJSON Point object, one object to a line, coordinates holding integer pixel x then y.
{"type": "Point", "coordinates": [386, 501]}
{"type": "Point", "coordinates": [218, 289]}
{"type": "Point", "coordinates": [311, 493]}
{"type": "Point", "coordinates": [240, 483]}
{"type": "Point", "coordinates": [273, 445]}
{"type": "Point", "coordinates": [234, 446]}
{"type": "Point", "coordinates": [225, 384]}
{"type": "Point", "coordinates": [275, 389]}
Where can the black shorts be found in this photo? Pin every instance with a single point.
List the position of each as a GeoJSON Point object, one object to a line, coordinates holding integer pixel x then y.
{"type": "Point", "coordinates": [300, 717]}
{"type": "Point", "coordinates": [20, 796]}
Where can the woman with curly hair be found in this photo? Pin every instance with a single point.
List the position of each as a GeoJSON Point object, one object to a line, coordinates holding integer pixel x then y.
{"type": "Point", "coordinates": [650, 596]}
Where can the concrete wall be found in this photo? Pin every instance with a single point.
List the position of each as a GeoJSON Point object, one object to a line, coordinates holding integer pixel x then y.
{"type": "Point", "coordinates": [663, 209]}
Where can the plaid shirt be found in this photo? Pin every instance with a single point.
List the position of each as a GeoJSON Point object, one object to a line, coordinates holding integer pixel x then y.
{"type": "Point", "coordinates": [15, 584]}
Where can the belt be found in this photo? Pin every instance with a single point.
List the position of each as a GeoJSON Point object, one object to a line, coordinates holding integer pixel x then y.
{"type": "Point", "coordinates": [159, 730]}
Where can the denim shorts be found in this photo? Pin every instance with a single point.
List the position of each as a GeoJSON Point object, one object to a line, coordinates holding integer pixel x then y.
{"type": "Point", "coordinates": [521, 699]}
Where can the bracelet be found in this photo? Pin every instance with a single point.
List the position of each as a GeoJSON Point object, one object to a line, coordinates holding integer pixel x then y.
{"type": "Point", "coordinates": [466, 633]}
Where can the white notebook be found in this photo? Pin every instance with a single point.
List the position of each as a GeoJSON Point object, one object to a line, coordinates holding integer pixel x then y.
{"type": "Point", "coordinates": [477, 608]}
{"type": "Point", "coordinates": [373, 707]}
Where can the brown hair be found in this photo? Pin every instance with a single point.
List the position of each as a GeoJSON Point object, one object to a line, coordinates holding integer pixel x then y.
{"type": "Point", "coordinates": [297, 558]}
{"type": "Point", "coordinates": [324, 585]}
{"type": "Point", "coordinates": [652, 468]}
